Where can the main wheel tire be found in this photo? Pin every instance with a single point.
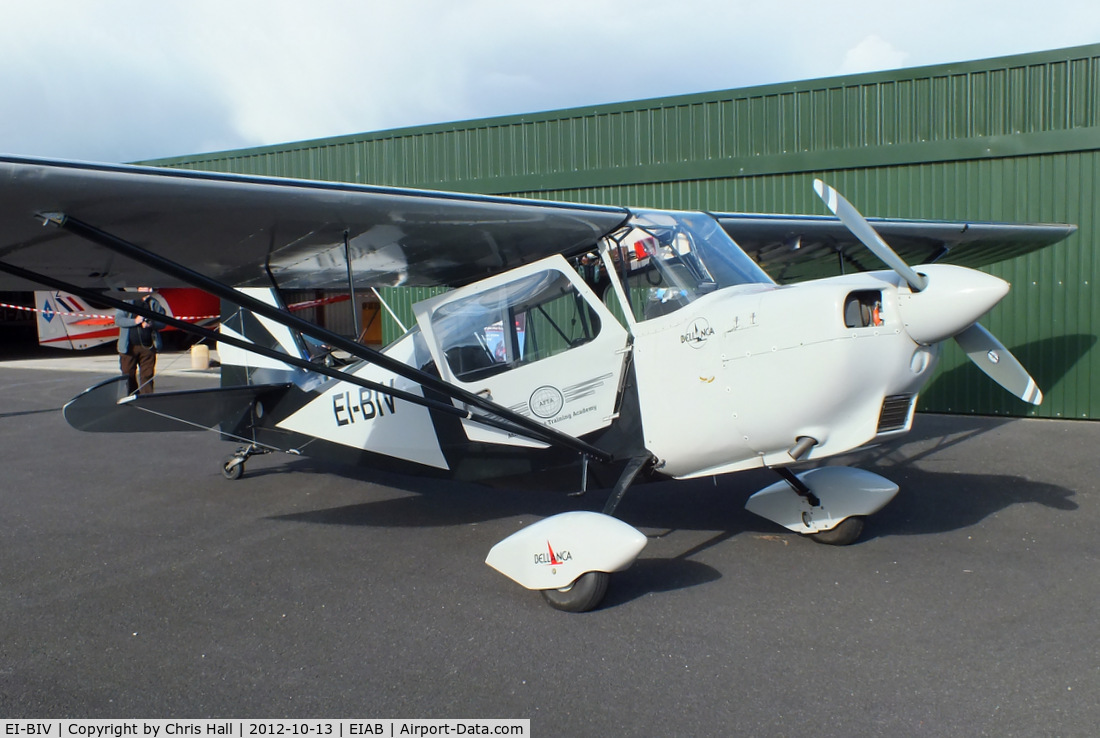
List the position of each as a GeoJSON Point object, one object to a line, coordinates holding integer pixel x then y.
{"type": "Point", "coordinates": [580, 596]}
{"type": "Point", "coordinates": [231, 470]}
{"type": "Point", "coordinates": [844, 534]}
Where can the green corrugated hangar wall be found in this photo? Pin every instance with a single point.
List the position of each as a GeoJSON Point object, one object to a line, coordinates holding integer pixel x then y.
{"type": "Point", "coordinates": [1008, 139]}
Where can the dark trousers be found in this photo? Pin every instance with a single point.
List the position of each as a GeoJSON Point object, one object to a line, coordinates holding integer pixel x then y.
{"type": "Point", "coordinates": [140, 363]}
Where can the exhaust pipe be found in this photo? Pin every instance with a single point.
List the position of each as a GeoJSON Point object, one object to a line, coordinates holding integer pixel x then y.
{"type": "Point", "coordinates": [801, 447]}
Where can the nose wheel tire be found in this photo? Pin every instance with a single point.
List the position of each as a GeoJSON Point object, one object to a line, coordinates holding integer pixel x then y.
{"type": "Point", "coordinates": [580, 596]}
{"type": "Point", "coordinates": [844, 534]}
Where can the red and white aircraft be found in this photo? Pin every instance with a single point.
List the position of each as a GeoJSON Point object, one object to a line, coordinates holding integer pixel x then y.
{"type": "Point", "coordinates": [67, 321]}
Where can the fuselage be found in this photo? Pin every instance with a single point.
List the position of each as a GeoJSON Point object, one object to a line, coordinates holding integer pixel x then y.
{"type": "Point", "coordinates": [735, 379]}
{"type": "Point", "coordinates": [671, 338]}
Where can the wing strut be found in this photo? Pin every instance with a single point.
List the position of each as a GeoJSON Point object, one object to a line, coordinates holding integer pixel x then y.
{"type": "Point", "coordinates": [513, 420]}
{"type": "Point", "coordinates": [351, 288]}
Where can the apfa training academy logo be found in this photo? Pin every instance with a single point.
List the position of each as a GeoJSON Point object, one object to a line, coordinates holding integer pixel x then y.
{"type": "Point", "coordinates": [546, 401]}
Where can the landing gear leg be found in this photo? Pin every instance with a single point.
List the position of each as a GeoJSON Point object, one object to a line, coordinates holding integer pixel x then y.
{"type": "Point", "coordinates": [798, 485]}
{"type": "Point", "coordinates": [233, 467]}
{"type": "Point", "coordinates": [625, 480]}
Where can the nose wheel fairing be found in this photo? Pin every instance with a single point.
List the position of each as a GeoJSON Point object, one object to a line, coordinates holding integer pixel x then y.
{"type": "Point", "coordinates": [840, 492]}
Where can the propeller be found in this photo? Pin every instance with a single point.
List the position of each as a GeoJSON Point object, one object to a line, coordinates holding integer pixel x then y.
{"type": "Point", "coordinates": [980, 345]}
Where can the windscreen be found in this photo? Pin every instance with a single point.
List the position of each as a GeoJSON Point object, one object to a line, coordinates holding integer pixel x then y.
{"type": "Point", "coordinates": [669, 259]}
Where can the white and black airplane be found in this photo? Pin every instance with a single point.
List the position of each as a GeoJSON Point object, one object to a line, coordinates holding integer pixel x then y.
{"type": "Point", "coordinates": [652, 342]}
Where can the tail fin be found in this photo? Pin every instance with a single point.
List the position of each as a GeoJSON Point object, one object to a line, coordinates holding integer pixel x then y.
{"type": "Point", "coordinates": [241, 367]}
{"type": "Point", "coordinates": [67, 322]}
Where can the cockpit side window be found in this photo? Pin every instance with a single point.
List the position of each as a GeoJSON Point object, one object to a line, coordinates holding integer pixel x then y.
{"type": "Point", "coordinates": [521, 322]}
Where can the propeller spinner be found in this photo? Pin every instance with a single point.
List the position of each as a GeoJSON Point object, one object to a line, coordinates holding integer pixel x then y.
{"type": "Point", "coordinates": [937, 311]}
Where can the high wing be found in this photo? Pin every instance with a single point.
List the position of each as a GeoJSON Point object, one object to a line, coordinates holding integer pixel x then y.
{"type": "Point", "coordinates": [793, 248]}
{"type": "Point", "coordinates": [236, 228]}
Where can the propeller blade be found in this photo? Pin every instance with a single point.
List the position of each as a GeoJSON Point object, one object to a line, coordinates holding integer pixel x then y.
{"type": "Point", "coordinates": [979, 344]}
{"type": "Point", "coordinates": [998, 362]}
{"type": "Point", "coordinates": [867, 235]}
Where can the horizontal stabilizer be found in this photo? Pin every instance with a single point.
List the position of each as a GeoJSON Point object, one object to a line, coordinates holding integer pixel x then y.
{"type": "Point", "coordinates": [106, 408]}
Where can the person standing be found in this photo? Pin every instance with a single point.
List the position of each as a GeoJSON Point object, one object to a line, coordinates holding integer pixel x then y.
{"type": "Point", "coordinates": [138, 343]}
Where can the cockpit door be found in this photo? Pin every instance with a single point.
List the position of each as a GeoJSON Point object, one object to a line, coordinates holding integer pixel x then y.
{"type": "Point", "coordinates": [536, 340]}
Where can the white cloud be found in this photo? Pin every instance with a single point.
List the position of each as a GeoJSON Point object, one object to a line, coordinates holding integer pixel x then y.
{"type": "Point", "coordinates": [871, 55]}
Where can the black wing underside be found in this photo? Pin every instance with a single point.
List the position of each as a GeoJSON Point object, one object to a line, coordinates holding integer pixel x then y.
{"type": "Point", "coordinates": [793, 248]}
{"type": "Point", "coordinates": [235, 228]}
{"type": "Point", "coordinates": [244, 230]}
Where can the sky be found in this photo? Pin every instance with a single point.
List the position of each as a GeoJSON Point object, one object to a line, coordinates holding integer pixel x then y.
{"type": "Point", "coordinates": [128, 80]}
